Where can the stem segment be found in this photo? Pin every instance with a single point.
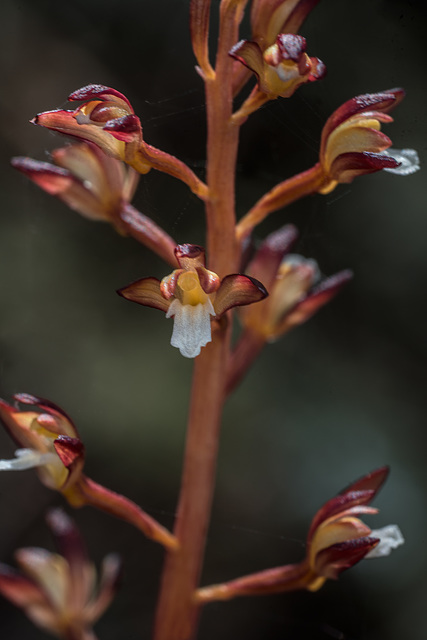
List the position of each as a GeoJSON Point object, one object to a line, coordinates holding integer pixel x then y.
{"type": "Point", "coordinates": [177, 612]}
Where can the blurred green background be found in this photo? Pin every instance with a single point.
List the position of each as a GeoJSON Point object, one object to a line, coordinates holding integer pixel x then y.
{"type": "Point", "coordinates": [336, 398]}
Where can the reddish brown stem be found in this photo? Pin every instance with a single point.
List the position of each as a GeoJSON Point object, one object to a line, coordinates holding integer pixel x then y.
{"type": "Point", "coordinates": [148, 233]}
{"type": "Point", "coordinates": [280, 196]}
{"type": "Point", "coordinates": [177, 612]}
{"type": "Point", "coordinates": [86, 492]}
{"type": "Point", "coordinates": [248, 347]}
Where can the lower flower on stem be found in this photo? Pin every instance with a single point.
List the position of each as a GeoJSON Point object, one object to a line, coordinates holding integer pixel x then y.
{"type": "Point", "coordinates": [337, 540]}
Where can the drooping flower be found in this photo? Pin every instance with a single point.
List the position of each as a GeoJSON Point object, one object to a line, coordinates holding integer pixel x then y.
{"type": "Point", "coordinates": [49, 443]}
{"type": "Point", "coordinates": [86, 179]}
{"type": "Point", "coordinates": [297, 289]}
{"type": "Point", "coordinates": [337, 540]}
{"type": "Point", "coordinates": [353, 144]}
{"type": "Point", "coordinates": [282, 67]}
{"type": "Point", "coordinates": [100, 188]}
{"type": "Point", "coordinates": [192, 295]}
{"type": "Point", "coordinates": [106, 118]}
{"type": "Point", "coordinates": [58, 592]}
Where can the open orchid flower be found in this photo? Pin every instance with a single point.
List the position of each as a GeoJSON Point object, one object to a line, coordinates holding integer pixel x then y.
{"type": "Point", "coordinates": [48, 442]}
{"type": "Point", "coordinates": [58, 592]}
{"type": "Point", "coordinates": [192, 295]}
{"type": "Point", "coordinates": [297, 289]}
{"type": "Point", "coordinates": [353, 144]}
{"type": "Point", "coordinates": [336, 541]}
{"type": "Point", "coordinates": [86, 179]}
{"type": "Point", "coordinates": [105, 118]}
{"type": "Point", "coordinates": [282, 67]}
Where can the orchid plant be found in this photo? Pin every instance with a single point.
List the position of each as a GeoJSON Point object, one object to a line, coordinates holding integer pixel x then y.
{"type": "Point", "coordinates": [272, 289]}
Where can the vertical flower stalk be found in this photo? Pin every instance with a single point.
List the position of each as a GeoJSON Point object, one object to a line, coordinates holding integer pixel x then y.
{"type": "Point", "coordinates": [177, 613]}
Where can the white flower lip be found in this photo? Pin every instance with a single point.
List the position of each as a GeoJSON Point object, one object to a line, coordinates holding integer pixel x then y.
{"type": "Point", "coordinates": [27, 459]}
{"type": "Point", "coordinates": [192, 326]}
{"type": "Point", "coordinates": [390, 538]}
{"type": "Point", "coordinates": [408, 158]}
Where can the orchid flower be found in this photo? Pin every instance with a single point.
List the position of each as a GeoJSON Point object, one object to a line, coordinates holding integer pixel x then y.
{"type": "Point", "coordinates": [49, 443]}
{"type": "Point", "coordinates": [192, 295]}
{"type": "Point", "coordinates": [58, 592]}
{"type": "Point", "coordinates": [337, 540]}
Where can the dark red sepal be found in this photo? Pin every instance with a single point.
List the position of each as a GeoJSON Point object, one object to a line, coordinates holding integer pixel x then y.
{"type": "Point", "coordinates": [269, 256]}
{"type": "Point", "coordinates": [337, 505]}
{"type": "Point", "coordinates": [383, 101]}
{"type": "Point", "coordinates": [238, 290]}
{"type": "Point", "coordinates": [372, 481]}
{"type": "Point", "coordinates": [330, 562]}
{"type": "Point", "coordinates": [70, 450]}
{"type": "Point", "coordinates": [124, 128]}
{"type": "Point", "coordinates": [96, 92]}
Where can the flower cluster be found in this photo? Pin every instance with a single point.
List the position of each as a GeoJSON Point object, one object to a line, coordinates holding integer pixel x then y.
{"type": "Point", "coordinates": [58, 592]}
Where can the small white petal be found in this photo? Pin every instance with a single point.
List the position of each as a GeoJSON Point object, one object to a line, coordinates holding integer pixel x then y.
{"type": "Point", "coordinates": [191, 327]}
{"type": "Point", "coordinates": [390, 538]}
{"type": "Point", "coordinates": [27, 459]}
{"type": "Point", "coordinates": [408, 158]}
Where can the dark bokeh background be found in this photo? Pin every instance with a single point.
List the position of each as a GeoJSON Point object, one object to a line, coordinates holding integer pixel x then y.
{"type": "Point", "coordinates": [336, 398]}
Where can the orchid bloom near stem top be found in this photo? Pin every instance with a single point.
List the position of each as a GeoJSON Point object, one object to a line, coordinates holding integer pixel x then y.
{"type": "Point", "coordinates": [58, 592]}
{"type": "Point", "coordinates": [192, 295]}
{"type": "Point", "coordinates": [107, 119]}
{"type": "Point", "coordinates": [49, 442]}
{"type": "Point", "coordinates": [352, 142]}
{"type": "Point", "coordinates": [336, 541]}
{"type": "Point", "coordinates": [297, 290]}
{"type": "Point", "coordinates": [282, 67]}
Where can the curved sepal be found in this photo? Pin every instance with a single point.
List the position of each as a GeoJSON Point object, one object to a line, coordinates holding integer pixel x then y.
{"type": "Point", "coordinates": [238, 290]}
{"type": "Point", "coordinates": [145, 291]}
{"type": "Point", "coordinates": [330, 562]}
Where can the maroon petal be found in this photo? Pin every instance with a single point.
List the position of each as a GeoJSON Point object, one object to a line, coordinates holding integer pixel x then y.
{"type": "Point", "coordinates": [52, 179]}
{"type": "Point", "coordinates": [126, 128]}
{"type": "Point", "coordinates": [332, 561]}
{"type": "Point", "coordinates": [370, 482]}
{"type": "Point", "coordinates": [64, 122]}
{"type": "Point", "coordinates": [98, 92]}
{"type": "Point", "coordinates": [237, 290]}
{"type": "Point", "coordinates": [19, 589]}
{"type": "Point", "coordinates": [349, 165]}
{"type": "Point", "coordinates": [339, 504]}
{"type": "Point", "coordinates": [71, 452]}
{"type": "Point", "coordinates": [318, 297]}
{"type": "Point", "coordinates": [269, 256]}
{"type": "Point", "coordinates": [383, 101]}
{"type": "Point", "coordinates": [147, 292]}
